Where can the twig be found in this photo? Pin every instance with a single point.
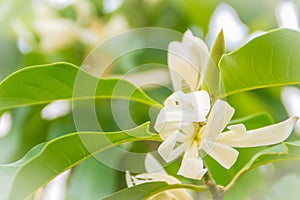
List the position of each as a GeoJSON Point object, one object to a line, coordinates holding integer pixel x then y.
{"type": "Point", "coordinates": [217, 191]}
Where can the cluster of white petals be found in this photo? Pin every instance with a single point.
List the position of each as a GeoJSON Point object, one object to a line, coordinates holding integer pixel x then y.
{"type": "Point", "coordinates": [189, 124]}
{"type": "Point", "coordinates": [184, 126]}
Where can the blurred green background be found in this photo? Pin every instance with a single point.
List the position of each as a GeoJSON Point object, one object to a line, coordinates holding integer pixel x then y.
{"type": "Point", "coordinates": [36, 32]}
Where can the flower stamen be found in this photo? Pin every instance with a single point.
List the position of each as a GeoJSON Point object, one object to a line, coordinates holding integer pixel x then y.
{"type": "Point", "coordinates": [198, 133]}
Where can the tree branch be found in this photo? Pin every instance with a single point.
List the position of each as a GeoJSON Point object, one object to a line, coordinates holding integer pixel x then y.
{"type": "Point", "coordinates": [217, 191]}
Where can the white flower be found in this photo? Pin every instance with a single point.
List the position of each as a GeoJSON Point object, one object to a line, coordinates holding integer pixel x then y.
{"type": "Point", "coordinates": [185, 126]}
{"type": "Point", "coordinates": [158, 175]}
{"type": "Point", "coordinates": [185, 129]}
{"type": "Point", "coordinates": [187, 61]}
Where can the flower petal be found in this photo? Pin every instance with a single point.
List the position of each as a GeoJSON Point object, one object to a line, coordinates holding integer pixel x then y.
{"type": "Point", "coordinates": [176, 98]}
{"type": "Point", "coordinates": [186, 114]}
{"type": "Point", "coordinates": [224, 155]}
{"type": "Point", "coordinates": [268, 135]}
{"type": "Point", "coordinates": [192, 168]}
{"type": "Point", "coordinates": [185, 61]}
{"type": "Point", "coordinates": [219, 117]}
{"type": "Point", "coordinates": [180, 107]}
{"type": "Point", "coordinates": [192, 164]}
{"type": "Point", "coordinates": [166, 129]}
{"type": "Point", "coordinates": [168, 114]}
{"type": "Point", "coordinates": [200, 101]}
{"type": "Point", "coordinates": [188, 128]}
{"type": "Point", "coordinates": [170, 127]}
{"type": "Point", "coordinates": [291, 97]}
{"type": "Point", "coordinates": [157, 177]}
{"type": "Point", "coordinates": [238, 129]}
{"type": "Point", "coordinates": [180, 194]}
{"type": "Point", "coordinates": [128, 179]}
{"type": "Point", "coordinates": [167, 148]}
{"type": "Point", "coordinates": [177, 194]}
{"type": "Point", "coordinates": [151, 164]}
{"type": "Point", "coordinates": [192, 151]}
{"type": "Point", "coordinates": [177, 114]}
{"type": "Point", "coordinates": [163, 195]}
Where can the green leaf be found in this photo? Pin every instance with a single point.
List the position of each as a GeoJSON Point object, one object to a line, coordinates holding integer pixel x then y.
{"type": "Point", "coordinates": [91, 184]}
{"type": "Point", "coordinates": [218, 48]}
{"type": "Point", "coordinates": [268, 60]}
{"type": "Point", "coordinates": [290, 151]}
{"type": "Point", "coordinates": [28, 129]}
{"type": "Point", "coordinates": [45, 161]}
{"type": "Point", "coordinates": [212, 74]}
{"type": "Point", "coordinates": [146, 190]}
{"type": "Point", "coordinates": [283, 151]}
{"type": "Point", "coordinates": [46, 83]}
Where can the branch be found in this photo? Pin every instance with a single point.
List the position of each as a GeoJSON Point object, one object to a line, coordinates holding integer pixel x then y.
{"type": "Point", "coordinates": [217, 191]}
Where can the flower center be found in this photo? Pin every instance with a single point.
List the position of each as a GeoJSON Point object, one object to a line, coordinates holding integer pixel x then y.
{"type": "Point", "coordinates": [198, 128]}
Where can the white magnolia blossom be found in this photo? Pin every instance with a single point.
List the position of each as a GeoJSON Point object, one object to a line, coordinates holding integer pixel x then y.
{"type": "Point", "coordinates": [155, 176]}
{"type": "Point", "coordinates": [188, 124]}
{"type": "Point", "coordinates": [184, 58]}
